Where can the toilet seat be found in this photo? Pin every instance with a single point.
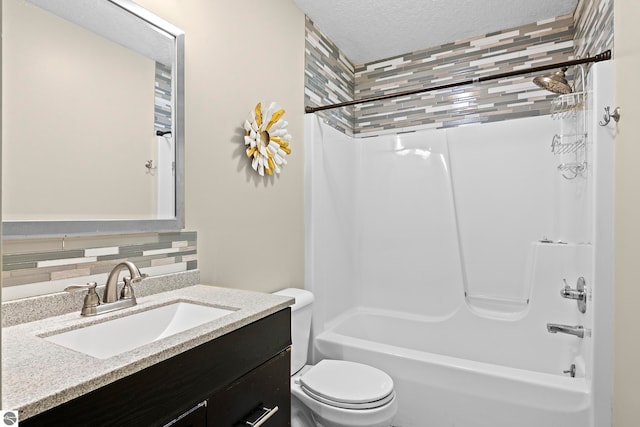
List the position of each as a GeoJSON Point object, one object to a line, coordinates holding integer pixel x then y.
{"type": "Point", "coordinates": [343, 405]}
{"type": "Point", "coordinates": [347, 385]}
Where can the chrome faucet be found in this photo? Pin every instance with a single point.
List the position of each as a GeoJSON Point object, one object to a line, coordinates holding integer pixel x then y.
{"type": "Point", "coordinates": [578, 331]}
{"type": "Point", "coordinates": [111, 289]}
{"type": "Point", "coordinates": [110, 301]}
{"type": "Point", "coordinates": [579, 293]}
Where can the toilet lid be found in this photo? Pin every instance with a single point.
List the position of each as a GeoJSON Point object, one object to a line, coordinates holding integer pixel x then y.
{"type": "Point", "coordinates": [341, 382]}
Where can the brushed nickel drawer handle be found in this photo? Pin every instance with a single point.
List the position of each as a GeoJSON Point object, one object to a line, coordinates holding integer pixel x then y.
{"type": "Point", "coordinates": [263, 418]}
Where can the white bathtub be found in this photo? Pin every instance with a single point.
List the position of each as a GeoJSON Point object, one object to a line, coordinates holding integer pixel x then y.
{"type": "Point", "coordinates": [466, 370]}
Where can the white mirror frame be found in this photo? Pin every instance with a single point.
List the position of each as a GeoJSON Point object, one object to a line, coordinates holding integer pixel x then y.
{"type": "Point", "coordinates": [31, 229]}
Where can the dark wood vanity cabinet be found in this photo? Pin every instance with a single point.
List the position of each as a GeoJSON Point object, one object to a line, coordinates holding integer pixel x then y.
{"type": "Point", "coordinates": [258, 393]}
{"type": "Point", "coordinates": [220, 383]}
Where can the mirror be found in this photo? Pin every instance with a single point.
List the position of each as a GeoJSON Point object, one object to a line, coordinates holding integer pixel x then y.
{"type": "Point", "coordinates": [92, 119]}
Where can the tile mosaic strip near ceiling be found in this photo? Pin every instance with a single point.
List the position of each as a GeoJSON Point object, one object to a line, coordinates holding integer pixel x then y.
{"type": "Point", "coordinates": [536, 44]}
{"type": "Point", "coordinates": [329, 78]}
{"type": "Point", "coordinates": [594, 27]}
{"type": "Point", "coordinates": [531, 45]}
{"type": "Point", "coordinates": [59, 262]}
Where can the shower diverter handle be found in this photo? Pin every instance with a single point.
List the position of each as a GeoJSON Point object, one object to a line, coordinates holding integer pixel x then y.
{"type": "Point", "coordinates": [579, 294]}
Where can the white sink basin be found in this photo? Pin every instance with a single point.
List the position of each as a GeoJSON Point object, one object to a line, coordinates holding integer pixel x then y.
{"type": "Point", "coordinates": [116, 336]}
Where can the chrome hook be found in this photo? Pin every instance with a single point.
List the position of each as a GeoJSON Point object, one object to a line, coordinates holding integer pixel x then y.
{"type": "Point", "coordinates": [607, 116]}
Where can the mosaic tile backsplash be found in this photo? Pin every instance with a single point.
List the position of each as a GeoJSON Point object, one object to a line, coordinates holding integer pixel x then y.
{"type": "Point", "coordinates": [535, 44]}
{"type": "Point", "coordinates": [40, 266]}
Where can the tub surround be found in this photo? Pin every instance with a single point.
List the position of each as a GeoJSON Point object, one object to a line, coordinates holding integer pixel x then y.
{"type": "Point", "coordinates": [39, 375]}
{"type": "Point", "coordinates": [462, 237]}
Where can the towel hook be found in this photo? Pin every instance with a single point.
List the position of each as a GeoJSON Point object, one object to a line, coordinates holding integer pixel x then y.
{"type": "Point", "coordinates": [607, 116]}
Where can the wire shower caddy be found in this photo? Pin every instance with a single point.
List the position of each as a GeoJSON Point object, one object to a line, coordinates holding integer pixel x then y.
{"type": "Point", "coordinates": [571, 142]}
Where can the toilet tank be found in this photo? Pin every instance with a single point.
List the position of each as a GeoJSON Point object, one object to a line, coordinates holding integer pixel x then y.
{"type": "Point", "coordinates": [300, 325]}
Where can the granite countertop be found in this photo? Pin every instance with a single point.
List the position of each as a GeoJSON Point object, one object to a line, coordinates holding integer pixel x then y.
{"type": "Point", "coordinates": [38, 375]}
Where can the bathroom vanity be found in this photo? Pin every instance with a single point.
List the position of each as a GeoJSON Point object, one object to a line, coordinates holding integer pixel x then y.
{"type": "Point", "coordinates": [221, 371]}
{"type": "Point", "coordinates": [226, 372]}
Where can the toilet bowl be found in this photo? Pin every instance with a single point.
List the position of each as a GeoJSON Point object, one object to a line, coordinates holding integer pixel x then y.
{"type": "Point", "coordinates": [333, 393]}
{"type": "Point", "coordinates": [345, 394]}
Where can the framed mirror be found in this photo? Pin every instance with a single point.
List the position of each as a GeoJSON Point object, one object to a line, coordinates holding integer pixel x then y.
{"type": "Point", "coordinates": [92, 119]}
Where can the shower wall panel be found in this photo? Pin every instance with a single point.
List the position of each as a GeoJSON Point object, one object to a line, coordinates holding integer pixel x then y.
{"type": "Point", "coordinates": [330, 178]}
{"type": "Point", "coordinates": [504, 179]}
{"type": "Point", "coordinates": [412, 222]}
{"type": "Point", "coordinates": [406, 234]}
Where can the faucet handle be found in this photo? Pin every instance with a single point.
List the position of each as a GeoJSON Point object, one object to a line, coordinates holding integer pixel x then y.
{"type": "Point", "coordinates": [571, 371]}
{"type": "Point", "coordinates": [579, 293]}
{"type": "Point", "coordinates": [127, 290]}
{"type": "Point", "coordinates": [91, 300]}
{"type": "Point", "coordinates": [89, 286]}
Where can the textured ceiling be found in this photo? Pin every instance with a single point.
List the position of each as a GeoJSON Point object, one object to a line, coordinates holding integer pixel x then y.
{"type": "Point", "coordinates": [369, 30]}
{"type": "Point", "coordinates": [112, 22]}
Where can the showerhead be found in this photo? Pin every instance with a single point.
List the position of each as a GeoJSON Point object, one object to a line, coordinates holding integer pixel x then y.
{"type": "Point", "coordinates": [555, 83]}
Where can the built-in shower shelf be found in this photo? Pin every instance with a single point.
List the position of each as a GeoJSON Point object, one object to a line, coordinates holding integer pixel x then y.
{"type": "Point", "coordinates": [496, 306]}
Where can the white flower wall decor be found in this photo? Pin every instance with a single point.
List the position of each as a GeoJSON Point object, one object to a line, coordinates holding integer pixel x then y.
{"type": "Point", "coordinates": [267, 139]}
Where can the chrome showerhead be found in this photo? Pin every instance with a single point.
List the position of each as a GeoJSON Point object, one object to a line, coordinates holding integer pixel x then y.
{"type": "Point", "coordinates": [555, 83]}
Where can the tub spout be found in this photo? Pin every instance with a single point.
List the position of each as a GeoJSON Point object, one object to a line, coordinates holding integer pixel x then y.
{"type": "Point", "coordinates": [578, 331]}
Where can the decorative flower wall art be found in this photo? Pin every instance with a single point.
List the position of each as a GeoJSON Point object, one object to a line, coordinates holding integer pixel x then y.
{"type": "Point", "coordinates": [267, 139]}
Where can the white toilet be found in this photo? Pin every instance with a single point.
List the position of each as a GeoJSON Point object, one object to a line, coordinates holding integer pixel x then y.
{"type": "Point", "coordinates": [333, 393]}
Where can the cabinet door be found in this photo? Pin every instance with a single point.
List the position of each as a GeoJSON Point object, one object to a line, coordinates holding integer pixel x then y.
{"type": "Point", "coordinates": [256, 394]}
{"type": "Point", "coordinates": [194, 417]}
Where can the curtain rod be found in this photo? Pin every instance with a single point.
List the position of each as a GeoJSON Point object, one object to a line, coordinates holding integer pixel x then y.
{"type": "Point", "coordinates": [604, 56]}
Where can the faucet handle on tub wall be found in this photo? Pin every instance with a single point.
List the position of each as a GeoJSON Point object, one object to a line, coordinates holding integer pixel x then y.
{"type": "Point", "coordinates": [571, 371]}
{"type": "Point", "coordinates": [579, 293]}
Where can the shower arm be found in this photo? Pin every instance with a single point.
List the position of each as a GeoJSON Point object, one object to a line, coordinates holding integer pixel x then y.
{"type": "Point", "coordinates": [604, 56]}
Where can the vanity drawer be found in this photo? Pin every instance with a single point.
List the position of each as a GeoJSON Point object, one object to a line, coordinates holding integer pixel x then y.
{"type": "Point", "coordinates": [255, 396]}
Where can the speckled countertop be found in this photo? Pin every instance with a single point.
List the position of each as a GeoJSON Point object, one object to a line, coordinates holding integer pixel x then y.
{"type": "Point", "coordinates": [38, 375]}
